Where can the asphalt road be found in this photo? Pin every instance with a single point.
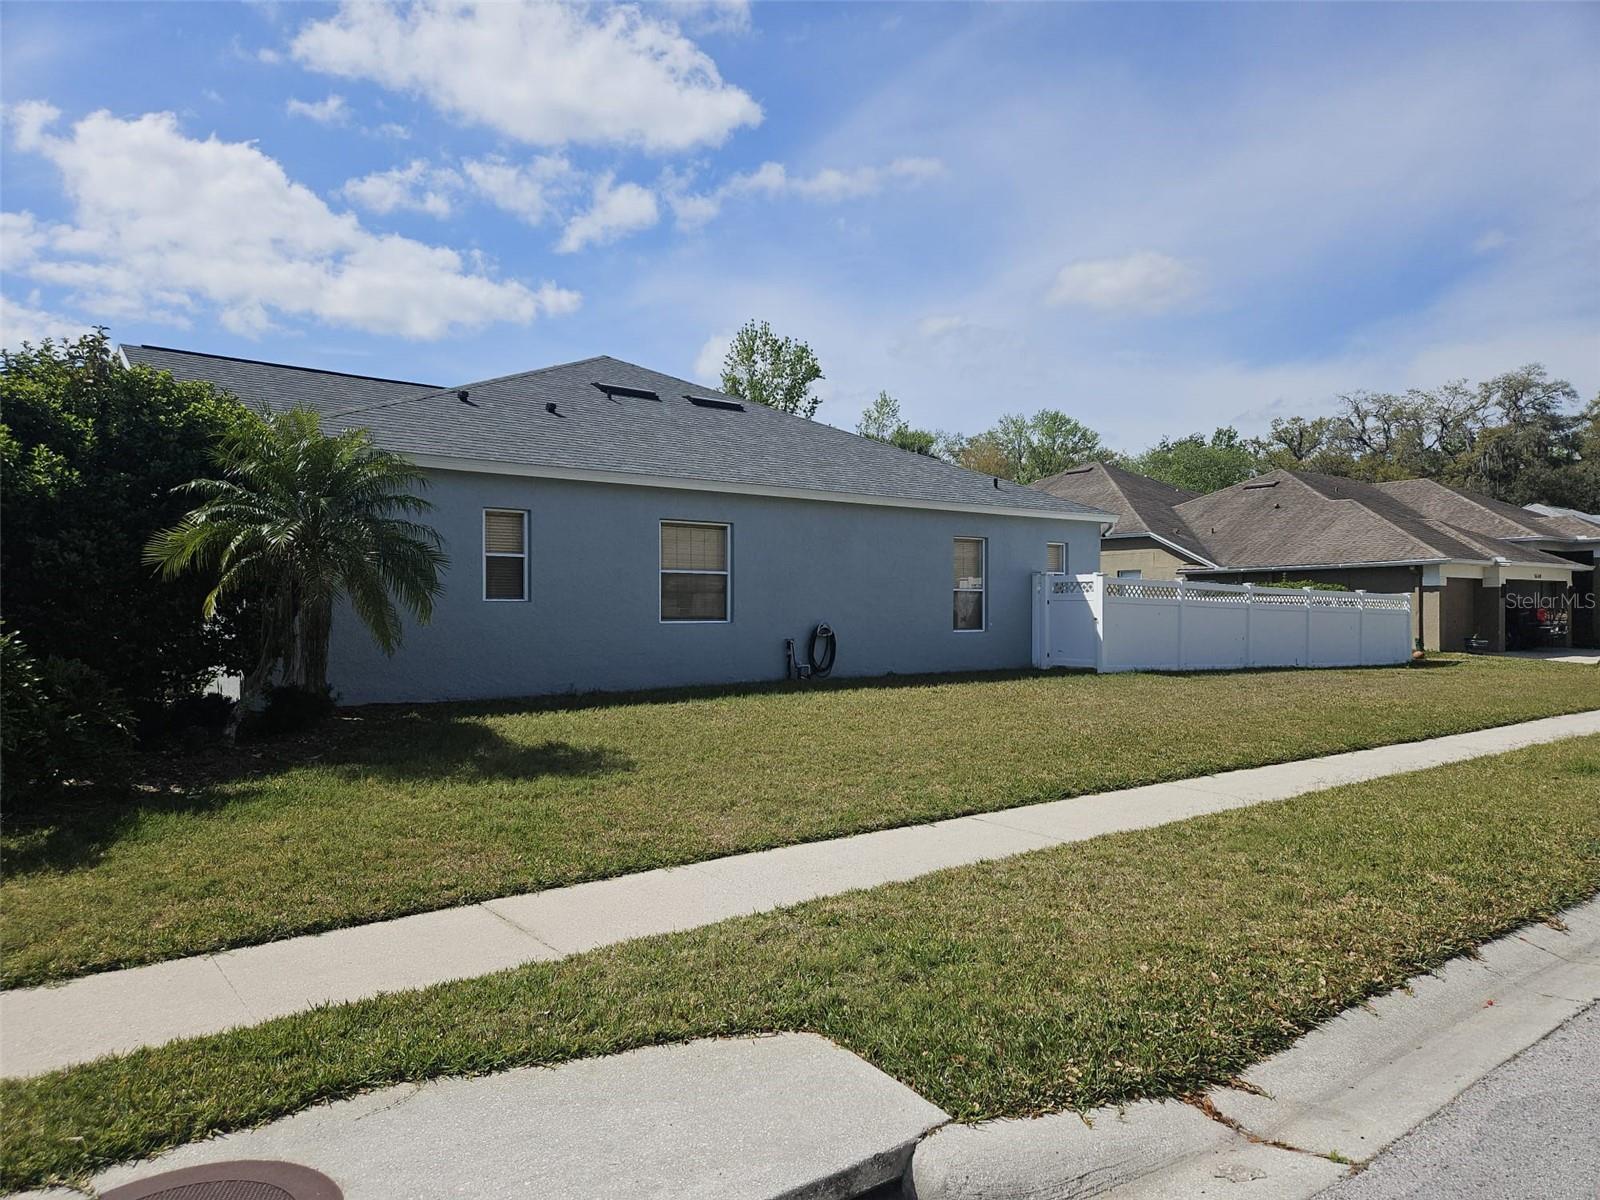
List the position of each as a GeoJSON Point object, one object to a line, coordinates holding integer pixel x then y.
{"type": "Point", "coordinates": [1530, 1130]}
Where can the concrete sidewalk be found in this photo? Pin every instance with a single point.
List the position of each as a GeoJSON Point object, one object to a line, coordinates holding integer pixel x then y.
{"type": "Point", "coordinates": [45, 1028]}
{"type": "Point", "coordinates": [791, 1116]}
{"type": "Point", "coordinates": [795, 1117]}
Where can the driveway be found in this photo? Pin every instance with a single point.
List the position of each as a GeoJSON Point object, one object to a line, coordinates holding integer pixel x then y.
{"type": "Point", "coordinates": [1561, 654]}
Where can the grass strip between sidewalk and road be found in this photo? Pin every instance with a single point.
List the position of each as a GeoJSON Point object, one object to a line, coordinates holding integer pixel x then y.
{"type": "Point", "coordinates": [402, 810]}
{"type": "Point", "coordinates": [1141, 964]}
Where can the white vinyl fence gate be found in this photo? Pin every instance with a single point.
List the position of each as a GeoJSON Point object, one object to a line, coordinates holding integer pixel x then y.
{"type": "Point", "coordinates": [1170, 625]}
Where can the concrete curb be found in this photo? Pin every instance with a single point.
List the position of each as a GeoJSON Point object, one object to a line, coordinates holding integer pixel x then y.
{"type": "Point", "coordinates": [45, 1028]}
{"type": "Point", "coordinates": [1345, 1090]}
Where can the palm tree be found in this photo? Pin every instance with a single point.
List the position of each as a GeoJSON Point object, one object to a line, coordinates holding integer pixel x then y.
{"type": "Point", "coordinates": [300, 520]}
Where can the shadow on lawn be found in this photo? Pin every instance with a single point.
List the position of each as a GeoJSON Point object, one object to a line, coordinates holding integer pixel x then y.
{"type": "Point", "coordinates": [80, 825]}
{"type": "Point", "coordinates": [424, 749]}
{"type": "Point", "coordinates": [575, 701]}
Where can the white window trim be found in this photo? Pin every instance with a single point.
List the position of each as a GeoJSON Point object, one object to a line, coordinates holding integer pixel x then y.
{"type": "Point", "coordinates": [1131, 573]}
{"type": "Point", "coordinates": [983, 565]}
{"type": "Point", "coordinates": [483, 533]}
{"type": "Point", "coordinates": [727, 571]}
{"type": "Point", "coordinates": [1064, 563]}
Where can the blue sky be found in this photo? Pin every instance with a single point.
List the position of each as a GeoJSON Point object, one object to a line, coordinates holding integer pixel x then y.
{"type": "Point", "coordinates": [1157, 218]}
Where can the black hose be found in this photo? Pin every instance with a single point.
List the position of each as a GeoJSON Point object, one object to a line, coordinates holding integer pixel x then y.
{"type": "Point", "coordinates": [821, 666]}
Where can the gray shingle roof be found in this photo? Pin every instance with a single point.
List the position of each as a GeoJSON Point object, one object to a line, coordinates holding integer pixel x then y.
{"type": "Point", "coordinates": [1142, 506]}
{"type": "Point", "coordinates": [274, 386]}
{"type": "Point", "coordinates": [511, 420]}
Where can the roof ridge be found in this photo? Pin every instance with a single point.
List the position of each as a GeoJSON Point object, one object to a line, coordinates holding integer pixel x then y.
{"type": "Point", "coordinates": [1301, 478]}
{"type": "Point", "coordinates": [1113, 470]}
{"type": "Point", "coordinates": [262, 362]}
{"type": "Point", "coordinates": [1533, 522]}
{"type": "Point", "coordinates": [469, 385]}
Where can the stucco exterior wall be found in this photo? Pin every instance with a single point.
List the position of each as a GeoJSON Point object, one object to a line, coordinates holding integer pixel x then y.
{"type": "Point", "coordinates": [881, 576]}
{"type": "Point", "coordinates": [1141, 554]}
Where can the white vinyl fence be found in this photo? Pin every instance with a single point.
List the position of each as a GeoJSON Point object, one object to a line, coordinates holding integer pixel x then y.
{"type": "Point", "coordinates": [1170, 625]}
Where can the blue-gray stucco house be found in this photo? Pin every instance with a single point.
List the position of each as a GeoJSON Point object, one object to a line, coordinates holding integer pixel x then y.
{"type": "Point", "coordinates": [613, 528]}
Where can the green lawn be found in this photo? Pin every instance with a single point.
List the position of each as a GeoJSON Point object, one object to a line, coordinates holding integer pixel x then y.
{"type": "Point", "coordinates": [402, 810]}
{"type": "Point", "coordinates": [1142, 964]}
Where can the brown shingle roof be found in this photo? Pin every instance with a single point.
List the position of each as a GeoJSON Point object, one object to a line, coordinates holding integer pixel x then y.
{"type": "Point", "coordinates": [1301, 518]}
{"type": "Point", "coordinates": [1481, 514]}
{"type": "Point", "coordinates": [1143, 506]}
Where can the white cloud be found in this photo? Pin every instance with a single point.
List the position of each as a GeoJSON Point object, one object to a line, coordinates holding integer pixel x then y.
{"type": "Point", "coordinates": [939, 325]}
{"type": "Point", "coordinates": [547, 74]}
{"type": "Point", "coordinates": [617, 211]}
{"type": "Point", "coordinates": [711, 16]}
{"type": "Point", "coordinates": [28, 120]}
{"type": "Point", "coordinates": [164, 224]}
{"type": "Point", "coordinates": [528, 190]}
{"type": "Point", "coordinates": [830, 185]}
{"type": "Point", "coordinates": [1144, 282]}
{"type": "Point", "coordinates": [1489, 241]}
{"type": "Point", "coordinates": [24, 323]}
{"type": "Point", "coordinates": [708, 363]}
{"type": "Point", "coordinates": [393, 129]}
{"type": "Point", "coordinates": [21, 238]}
{"type": "Point", "coordinates": [328, 111]}
{"type": "Point", "coordinates": [415, 187]}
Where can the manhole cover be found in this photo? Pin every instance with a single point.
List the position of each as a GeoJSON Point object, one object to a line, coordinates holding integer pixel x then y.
{"type": "Point", "coordinates": [232, 1181]}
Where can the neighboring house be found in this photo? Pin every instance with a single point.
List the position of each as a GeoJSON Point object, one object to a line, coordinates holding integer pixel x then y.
{"type": "Point", "coordinates": [1149, 539]}
{"type": "Point", "coordinates": [1475, 567]}
{"type": "Point", "coordinates": [610, 527]}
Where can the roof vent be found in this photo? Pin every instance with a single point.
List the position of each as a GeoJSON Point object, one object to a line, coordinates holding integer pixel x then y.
{"type": "Point", "coordinates": [1251, 487]}
{"type": "Point", "coordinates": [551, 409]}
{"type": "Point", "coordinates": [613, 390]}
{"type": "Point", "coordinates": [463, 396]}
{"type": "Point", "coordinates": [710, 402]}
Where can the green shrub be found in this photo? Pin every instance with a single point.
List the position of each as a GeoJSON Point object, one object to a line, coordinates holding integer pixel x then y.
{"type": "Point", "coordinates": [91, 452]}
{"type": "Point", "coordinates": [60, 720]}
{"type": "Point", "coordinates": [1316, 585]}
{"type": "Point", "coordinates": [291, 709]}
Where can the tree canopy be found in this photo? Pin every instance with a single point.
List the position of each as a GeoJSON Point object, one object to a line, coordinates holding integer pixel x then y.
{"type": "Point", "coordinates": [1197, 464]}
{"type": "Point", "coordinates": [881, 421]}
{"type": "Point", "coordinates": [91, 453]}
{"type": "Point", "coordinates": [1517, 437]}
{"type": "Point", "coordinates": [1026, 449]}
{"type": "Point", "coordinates": [767, 369]}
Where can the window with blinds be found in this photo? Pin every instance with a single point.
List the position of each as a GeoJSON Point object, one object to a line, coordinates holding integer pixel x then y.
{"type": "Point", "coordinates": [505, 554]}
{"type": "Point", "coordinates": [969, 555]}
{"type": "Point", "coordinates": [694, 571]}
{"type": "Point", "coordinates": [1055, 558]}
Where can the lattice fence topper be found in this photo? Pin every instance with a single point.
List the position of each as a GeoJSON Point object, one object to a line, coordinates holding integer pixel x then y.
{"type": "Point", "coordinates": [1281, 598]}
{"type": "Point", "coordinates": [1227, 593]}
{"type": "Point", "coordinates": [1143, 591]}
{"type": "Point", "coordinates": [1071, 587]}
